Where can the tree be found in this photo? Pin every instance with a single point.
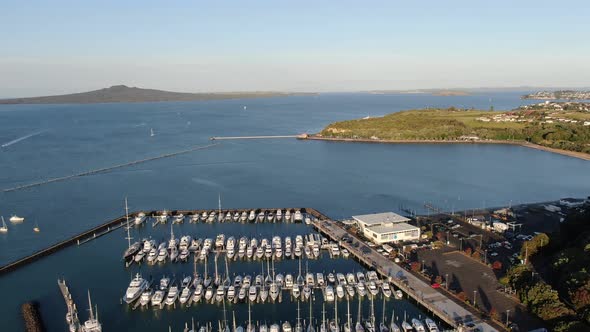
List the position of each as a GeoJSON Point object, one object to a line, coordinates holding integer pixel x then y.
{"type": "Point", "coordinates": [494, 314]}
{"type": "Point", "coordinates": [530, 248]}
{"type": "Point", "coordinates": [462, 296]}
{"type": "Point", "coordinates": [497, 265]}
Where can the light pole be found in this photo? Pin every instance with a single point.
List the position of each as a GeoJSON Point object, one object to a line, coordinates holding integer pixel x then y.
{"type": "Point", "coordinates": [447, 280]}
{"type": "Point", "coordinates": [474, 293]}
{"type": "Point", "coordinates": [422, 266]}
{"type": "Point", "coordinates": [507, 316]}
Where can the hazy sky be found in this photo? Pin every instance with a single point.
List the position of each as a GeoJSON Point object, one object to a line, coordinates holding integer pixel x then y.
{"type": "Point", "coordinates": [49, 47]}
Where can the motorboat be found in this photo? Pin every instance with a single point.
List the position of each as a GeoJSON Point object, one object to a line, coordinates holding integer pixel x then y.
{"type": "Point", "coordinates": [172, 295]}
{"type": "Point", "coordinates": [220, 294]}
{"type": "Point", "coordinates": [350, 290]}
{"type": "Point", "coordinates": [136, 287]}
{"type": "Point", "coordinates": [274, 291]}
{"type": "Point", "coordinates": [298, 217]}
{"type": "Point", "coordinates": [228, 216]}
{"type": "Point", "coordinates": [386, 289]}
{"type": "Point", "coordinates": [309, 279]}
{"type": "Point", "coordinates": [131, 251]}
{"type": "Point", "coordinates": [431, 325]}
{"type": "Point", "coordinates": [139, 218]}
{"type": "Point", "coordinates": [242, 293]}
{"type": "Point", "coordinates": [383, 327]}
{"type": "Point", "coordinates": [157, 298]}
{"type": "Point", "coordinates": [198, 293]}
{"type": "Point", "coordinates": [260, 216]}
{"type": "Point", "coordinates": [340, 291]}
{"type": "Point", "coordinates": [209, 293]}
{"type": "Point", "coordinates": [275, 328]}
{"type": "Point", "coordinates": [350, 278]}
{"type": "Point", "coordinates": [243, 216]}
{"type": "Point", "coordinates": [185, 242]}
{"type": "Point", "coordinates": [406, 327]}
{"type": "Point", "coordinates": [286, 325]}
{"type": "Point", "coordinates": [345, 253]}
{"type": "Point", "coordinates": [263, 294]}
{"type": "Point", "coordinates": [270, 217]}
{"type": "Point", "coordinates": [306, 292]}
{"type": "Point", "coordinates": [341, 279]}
{"type": "Point", "coordinates": [360, 289]}
{"type": "Point", "coordinates": [152, 256]}
{"type": "Point", "coordinates": [373, 288]}
{"type": "Point", "coordinates": [184, 255]}
{"type": "Point", "coordinates": [173, 254]}
{"type": "Point", "coordinates": [331, 278]}
{"type": "Point", "coordinates": [398, 294]}
{"type": "Point", "coordinates": [288, 215]}
{"type": "Point", "coordinates": [329, 292]}
{"type": "Point", "coordinates": [220, 240]}
{"type": "Point", "coordinates": [231, 293]}
{"type": "Point", "coordinates": [279, 216]}
{"type": "Point", "coordinates": [417, 325]}
{"type": "Point", "coordinates": [236, 216]}
{"type": "Point", "coordinates": [295, 291]}
{"type": "Point", "coordinates": [185, 295]}
{"type": "Point", "coordinates": [16, 219]}
{"type": "Point", "coordinates": [320, 279]}
{"type": "Point", "coordinates": [164, 283]}
{"type": "Point", "coordinates": [146, 297]}
{"type": "Point", "coordinates": [252, 293]}
{"type": "Point", "coordinates": [360, 277]}
{"type": "Point", "coordinates": [212, 216]}
{"type": "Point", "coordinates": [393, 327]}
{"type": "Point", "coordinates": [252, 216]}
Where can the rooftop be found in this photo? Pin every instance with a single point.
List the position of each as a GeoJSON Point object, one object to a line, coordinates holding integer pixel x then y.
{"type": "Point", "coordinates": [379, 218]}
{"type": "Point", "coordinates": [399, 227]}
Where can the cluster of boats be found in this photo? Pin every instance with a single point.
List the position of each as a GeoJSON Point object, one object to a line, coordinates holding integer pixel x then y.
{"type": "Point", "coordinates": [175, 250]}
{"type": "Point", "coordinates": [288, 215]}
{"type": "Point", "coordinates": [325, 325]}
{"type": "Point", "coordinates": [259, 288]}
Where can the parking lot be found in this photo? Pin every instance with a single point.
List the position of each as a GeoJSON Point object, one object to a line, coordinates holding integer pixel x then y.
{"type": "Point", "coordinates": [467, 275]}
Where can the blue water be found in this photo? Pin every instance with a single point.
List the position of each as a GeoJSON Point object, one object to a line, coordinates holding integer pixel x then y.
{"type": "Point", "coordinates": [339, 179]}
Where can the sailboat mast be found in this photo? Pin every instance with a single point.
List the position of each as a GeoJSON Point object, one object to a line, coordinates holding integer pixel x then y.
{"type": "Point", "coordinates": [90, 307]}
{"type": "Point", "coordinates": [127, 217]}
{"type": "Point", "coordinates": [219, 202]}
{"type": "Point", "coordinates": [372, 312]}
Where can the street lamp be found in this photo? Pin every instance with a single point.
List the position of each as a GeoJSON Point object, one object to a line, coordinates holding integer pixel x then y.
{"type": "Point", "coordinates": [507, 316]}
{"type": "Point", "coordinates": [422, 266]}
{"type": "Point", "coordinates": [474, 293]}
{"type": "Point", "coordinates": [447, 280]}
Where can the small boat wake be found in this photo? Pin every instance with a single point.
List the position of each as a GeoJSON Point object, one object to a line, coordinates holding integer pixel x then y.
{"type": "Point", "coordinates": [7, 144]}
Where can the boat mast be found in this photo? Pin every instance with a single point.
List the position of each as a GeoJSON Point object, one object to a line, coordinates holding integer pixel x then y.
{"type": "Point", "coordinates": [348, 313]}
{"type": "Point", "coordinates": [298, 315]}
{"type": "Point", "coordinates": [90, 307]}
{"type": "Point", "coordinates": [219, 202]}
{"type": "Point", "coordinates": [359, 314]}
{"type": "Point", "coordinates": [216, 281]}
{"type": "Point", "coordinates": [127, 217]}
{"type": "Point", "coordinates": [372, 312]}
{"type": "Point", "coordinates": [336, 315]}
{"type": "Point", "coordinates": [310, 314]}
{"type": "Point", "coordinates": [205, 276]}
{"type": "Point", "coordinates": [324, 316]}
{"type": "Point", "coordinates": [249, 317]}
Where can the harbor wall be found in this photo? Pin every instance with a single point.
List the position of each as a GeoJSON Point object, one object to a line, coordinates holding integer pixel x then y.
{"type": "Point", "coordinates": [32, 317]}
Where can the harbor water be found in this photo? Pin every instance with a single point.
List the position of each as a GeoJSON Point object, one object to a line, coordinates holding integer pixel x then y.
{"type": "Point", "coordinates": [338, 179]}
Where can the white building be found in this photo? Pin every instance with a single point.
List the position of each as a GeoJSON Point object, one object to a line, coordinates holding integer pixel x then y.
{"type": "Point", "coordinates": [387, 227]}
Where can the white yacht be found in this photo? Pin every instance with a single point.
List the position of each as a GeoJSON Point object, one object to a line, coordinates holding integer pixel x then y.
{"type": "Point", "coordinates": [295, 291]}
{"type": "Point", "coordinates": [16, 219]}
{"type": "Point", "coordinates": [146, 297]}
{"type": "Point", "coordinates": [252, 294]}
{"type": "Point", "coordinates": [320, 279]}
{"type": "Point", "coordinates": [288, 215]}
{"type": "Point", "coordinates": [298, 217]}
{"type": "Point", "coordinates": [172, 295]}
{"type": "Point", "coordinates": [270, 217]}
{"type": "Point", "coordinates": [274, 291]}
{"type": "Point", "coordinates": [373, 288]}
{"type": "Point", "coordinates": [431, 325]}
{"type": "Point", "coordinates": [220, 240]}
{"type": "Point", "coordinates": [236, 216]}
{"type": "Point", "coordinates": [198, 293]}
{"type": "Point", "coordinates": [252, 216]}
{"type": "Point", "coordinates": [398, 294]}
{"type": "Point", "coordinates": [212, 216]}
{"type": "Point", "coordinates": [340, 291]}
{"type": "Point", "coordinates": [279, 215]}
{"type": "Point", "coordinates": [386, 289]}
{"type": "Point", "coordinates": [393, 327]}
{"type": "Point", "coordinates": [185, 295]}
{"type": "Point", "coordinates": [329, 291]}
{"type": "Point", "coordinates": [164, 283]}
{"type": "Point", "coordinates": [136, 287]}
{"type": "Point", "coordinates": [244, 216]}
{"type": "Point", "coordinates": [261, 216]}
{"type": "Point", "coordinates": [406, 327]}
{"type": "Point", "coordinates": [157, 298]}
{"type": "Point", "coordinates": [139, 218]}
{"type": "Point", "coordinates": [418, 326]}
{"type": "Point", "coordinates": [287, 326]}
{"type": "Point", "coordinates": [209, 293]}
{"type": "Point", "coordinates": [350, 290]}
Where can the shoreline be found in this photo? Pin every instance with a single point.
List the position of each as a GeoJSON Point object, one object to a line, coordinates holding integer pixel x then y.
{"type": "Point", "coordinates": [573, 154]}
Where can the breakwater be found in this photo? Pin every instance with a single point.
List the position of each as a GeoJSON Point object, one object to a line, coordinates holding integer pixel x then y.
{"type": "Point", "coordinates": [105, 169]}
{"type": "Point", "coordinates": [117, 223]}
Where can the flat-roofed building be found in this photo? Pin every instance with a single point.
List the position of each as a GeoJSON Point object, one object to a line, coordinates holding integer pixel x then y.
{"type": "Point", "coordinates": [387, 227]}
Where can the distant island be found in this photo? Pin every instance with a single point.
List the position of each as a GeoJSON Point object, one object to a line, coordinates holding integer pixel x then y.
{"type": "Point", "coordinates": [434, 92]}
{"type": "Point", "coordinates": [556, 127]}
{"type": "Point", "coordinates": [560, 94]}
{"type": "Point", "coordinates": [125, 94]}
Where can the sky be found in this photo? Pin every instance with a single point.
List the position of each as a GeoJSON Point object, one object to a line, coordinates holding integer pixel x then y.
{"type": "Point", "coordinates": [50, 47]}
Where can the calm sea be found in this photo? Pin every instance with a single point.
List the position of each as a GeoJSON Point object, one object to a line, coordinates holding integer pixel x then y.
{"type": "Point", "coordinates": [335, 178]}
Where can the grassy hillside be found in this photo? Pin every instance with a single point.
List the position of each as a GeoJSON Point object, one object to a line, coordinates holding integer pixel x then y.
{"type": "Point", "coordinates": [539, 126]}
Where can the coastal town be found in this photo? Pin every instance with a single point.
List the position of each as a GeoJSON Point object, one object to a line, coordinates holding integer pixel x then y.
{"type": "Point", "coordinates": [559, 94]}
{"type": "Point", "coordinates": [545, 112]}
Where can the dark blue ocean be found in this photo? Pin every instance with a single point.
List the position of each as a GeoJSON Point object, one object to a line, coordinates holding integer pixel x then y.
{"type": "Point", "coordinates": [339, 179]}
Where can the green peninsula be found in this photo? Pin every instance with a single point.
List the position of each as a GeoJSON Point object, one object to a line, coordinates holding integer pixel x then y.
{"type": "Point", "coordinates": [563, 126]}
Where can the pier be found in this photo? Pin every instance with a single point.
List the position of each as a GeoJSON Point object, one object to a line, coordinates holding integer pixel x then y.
{"type": "Point", "coordinates": [434, 301]}
{"type": "Point", "coordinates": [220, 138]}
{"type": "Point", "coordinates": [72, 310]}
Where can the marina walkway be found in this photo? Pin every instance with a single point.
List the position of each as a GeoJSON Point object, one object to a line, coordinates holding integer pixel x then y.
{"type": "Point", "coordinates": [430, 298]}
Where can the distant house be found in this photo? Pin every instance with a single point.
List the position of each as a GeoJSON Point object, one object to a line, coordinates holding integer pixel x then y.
{"type": "Point", "coordinates": [387, 227]}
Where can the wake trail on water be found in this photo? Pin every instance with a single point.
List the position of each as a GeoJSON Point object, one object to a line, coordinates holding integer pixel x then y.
{"type": "Point", "coordinates": [105, 169]}
{"type": "Point", "coordinates": [7, 144]}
